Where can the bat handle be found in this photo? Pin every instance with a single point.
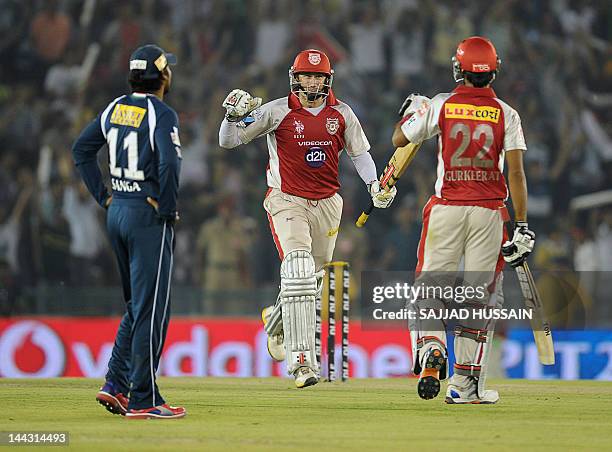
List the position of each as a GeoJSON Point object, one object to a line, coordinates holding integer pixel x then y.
{"type": "Point", "coordinates": [361, 221]}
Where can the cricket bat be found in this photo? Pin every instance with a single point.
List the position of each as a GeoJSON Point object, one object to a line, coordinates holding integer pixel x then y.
{"type": "Point", "coordinates": [542, 333]}
{"type": "Point", "coordinates": [398, 163]}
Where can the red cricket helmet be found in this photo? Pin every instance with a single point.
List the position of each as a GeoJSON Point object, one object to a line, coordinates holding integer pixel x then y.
{"type": "Point", "coordinates": [475, 54]}
{"type": "Point", "coordinates": [311, 61]}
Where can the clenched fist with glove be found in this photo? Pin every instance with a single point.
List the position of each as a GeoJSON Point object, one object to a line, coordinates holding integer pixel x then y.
{"type": "Point", "coordinates": [515, 251]}
{"type": "Point", "coordinates": [238, 104]}
{"type": "Point", "coordinates": [381, 198]}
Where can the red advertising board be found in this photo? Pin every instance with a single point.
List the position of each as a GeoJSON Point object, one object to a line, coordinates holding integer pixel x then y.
{"type": "Point", "coordinates": [76, 347]}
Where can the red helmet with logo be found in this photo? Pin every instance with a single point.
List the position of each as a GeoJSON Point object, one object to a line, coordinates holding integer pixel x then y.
{"type": "Point", "coordinates": [311, 61]}
{"type": "Point", "coordinates": [475, 54]}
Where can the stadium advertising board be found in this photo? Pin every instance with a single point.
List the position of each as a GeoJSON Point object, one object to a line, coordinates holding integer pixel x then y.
{"type": "Point", "coordinates": [76, 347]}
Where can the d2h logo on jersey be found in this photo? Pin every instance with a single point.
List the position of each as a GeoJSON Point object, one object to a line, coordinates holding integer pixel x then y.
{"type": "Point", "coordinates": [315, 157]}
{"type": "Point", "coordinates": [332, 125]}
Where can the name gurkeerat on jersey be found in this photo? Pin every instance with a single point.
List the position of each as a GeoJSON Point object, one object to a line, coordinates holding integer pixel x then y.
{"type": "Point", "coordinates": [471, 175]}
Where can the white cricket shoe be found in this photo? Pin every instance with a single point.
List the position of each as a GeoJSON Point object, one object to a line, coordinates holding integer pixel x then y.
{"type": "Point", "coordinates": [276, 342]}
{"type": "Point", "coordinates": [305, 376]}
{"type": "Point", "coordinates": [457, 395]}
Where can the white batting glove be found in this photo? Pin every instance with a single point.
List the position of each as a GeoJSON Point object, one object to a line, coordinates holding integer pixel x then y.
{"type": "Point", "coordinates": [413, 103]}
{"type": "Point", "coordinates": [515, 251]}
{"type": "Point", "coordinates": [381, 198]}
{"type": "Point", "coordinates": [238, 104]}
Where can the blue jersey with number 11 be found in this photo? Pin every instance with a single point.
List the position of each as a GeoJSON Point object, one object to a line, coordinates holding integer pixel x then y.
{"type": "Point", "coordinates": [143, 151]}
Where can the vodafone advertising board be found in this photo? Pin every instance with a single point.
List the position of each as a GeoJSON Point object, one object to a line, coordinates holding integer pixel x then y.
{"type": "Point", "coordinates": [80, 347]}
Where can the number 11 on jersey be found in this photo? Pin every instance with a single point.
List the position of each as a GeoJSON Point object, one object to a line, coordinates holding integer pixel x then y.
{"type": "Point", "coordinates": [130, 143]}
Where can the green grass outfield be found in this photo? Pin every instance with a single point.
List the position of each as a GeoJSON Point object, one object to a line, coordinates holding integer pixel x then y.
{"type": "Point", "coordinates": [270, 414]}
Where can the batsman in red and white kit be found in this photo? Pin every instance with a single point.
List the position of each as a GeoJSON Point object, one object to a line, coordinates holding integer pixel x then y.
{"type": "Point", "coordinates": [477, 133]}
{"type": "Point", "coordinates": [306, 132]}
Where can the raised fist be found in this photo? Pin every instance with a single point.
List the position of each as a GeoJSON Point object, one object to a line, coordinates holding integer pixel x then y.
{"type": "Point", "coordinates": [238, 104]}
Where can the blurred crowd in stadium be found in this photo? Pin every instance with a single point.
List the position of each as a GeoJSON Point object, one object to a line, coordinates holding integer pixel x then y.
{"type": "Point", "coordinates": [63, 61]}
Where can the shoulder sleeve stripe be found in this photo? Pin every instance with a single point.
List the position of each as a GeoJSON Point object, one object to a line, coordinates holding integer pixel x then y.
{"type": "Point", "coordinates": [152, 123]}
{"type": "Point", "coordinates": [106, 112]}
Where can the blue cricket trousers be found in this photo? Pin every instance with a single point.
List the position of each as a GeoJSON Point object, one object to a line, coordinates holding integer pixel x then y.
{"type": "Point", "coordinates": [143, 245]}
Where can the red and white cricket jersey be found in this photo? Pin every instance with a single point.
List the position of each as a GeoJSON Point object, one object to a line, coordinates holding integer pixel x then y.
{"type": "Point", "coordinates": [474, 130]}
{"type": "Point", "coordinates": [304, 149]}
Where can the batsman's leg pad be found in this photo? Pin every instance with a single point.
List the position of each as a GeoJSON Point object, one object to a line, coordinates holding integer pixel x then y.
{"type": "Point", "coordinates": [497, 301]}
{"type": "Point", "coordinates": [426, 335]}
{"type": "Point", "coordinates": [276, 339]}
{"type": "Point", "coordinates": [471, 346]}
{"type": "Point", "coordinates": [273, 319]}
{"type": "Point", "coordinates": [297, 295]}
{"type": "Point", "coordinates": [320, 275]}
{"type": "Point", "coordinates": [471, 350]}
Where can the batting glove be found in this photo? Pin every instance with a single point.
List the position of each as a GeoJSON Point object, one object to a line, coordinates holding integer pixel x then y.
{"type": "Point", "coordinates": [238, 104]}
{"type": "Point", "coordinates": [515, 251]}
{"type": "Point", "coordinates": [413, 103]}
{"type": "Point", "coordinates": [381, 198]}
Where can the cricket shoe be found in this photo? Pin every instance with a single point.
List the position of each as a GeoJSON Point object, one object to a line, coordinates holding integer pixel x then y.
{"type": "Point", "coordinates": [305, 376]}
{"type": "Point", "coordinates": [456, 395]}
{"type": "Point", "coordinates": [428, 386]}
{"type": "Point", "coordinates": [112, 400]}
{"type": "Point", "coordinates": [276, 342]}
{"type": "Point", "coordinates": [164, 411]}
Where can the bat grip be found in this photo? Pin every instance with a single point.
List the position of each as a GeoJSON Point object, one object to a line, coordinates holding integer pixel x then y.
{"type": "Point", "coordinates": [361, 221]}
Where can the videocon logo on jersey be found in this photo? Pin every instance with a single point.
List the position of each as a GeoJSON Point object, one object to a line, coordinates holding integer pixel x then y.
{"type": "Point", "coordinates": [315, 157]}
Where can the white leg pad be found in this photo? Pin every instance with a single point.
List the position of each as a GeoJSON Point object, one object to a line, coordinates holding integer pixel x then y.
{"type": "Point", "coordinates": [274, 324]}
{"type": "Point", "coordinates": [472, 348]}
{"type": "Point", "coordinates": [425, 337]}
{"type": "Point", "coordinates": [297, 296]}
{"type": "Point", "coordinates": [496, 300]}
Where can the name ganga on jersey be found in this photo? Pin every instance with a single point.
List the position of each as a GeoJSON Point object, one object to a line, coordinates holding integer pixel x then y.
{"type": "Point", "coordinates": [124, 185]}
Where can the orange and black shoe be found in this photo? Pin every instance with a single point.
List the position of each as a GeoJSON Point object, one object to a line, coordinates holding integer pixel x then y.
{"type": "Point", "coordinates": [429, 380]}
{"type": "Point", "coordinates": [112, 400]}
{"type": "Point", "coordinates": [164, 411]}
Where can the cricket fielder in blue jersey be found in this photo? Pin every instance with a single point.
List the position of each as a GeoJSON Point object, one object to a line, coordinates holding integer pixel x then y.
{"type": "Point", "coordinates": [144, 152]}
